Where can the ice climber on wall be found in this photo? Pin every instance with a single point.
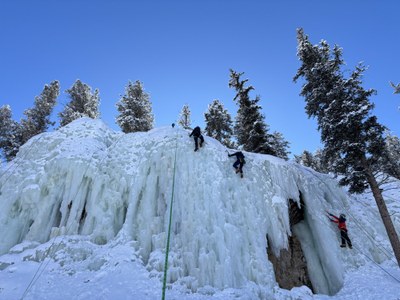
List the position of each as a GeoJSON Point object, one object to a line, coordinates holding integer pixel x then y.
{"type": "Point", "coordinates": [239, 163]}
{"type": "Point", "coordinates": [197, 135]}
{"type": "Point", "coordinates": [341, 221]}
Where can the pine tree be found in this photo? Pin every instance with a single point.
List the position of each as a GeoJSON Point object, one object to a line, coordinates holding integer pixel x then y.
{"type": "Point", "coordinates": [38, 118]}
{"type": "Point", "coordinates": [219, 123]}
{"type": "Point", "coordinates": [310, 160]}
{"type": "Point", "coordinates": [314, 161]}
{"type": "Point", "coordinates": [36, 121]}
{"type": "Point", "coordinates": [306, 159]}
{"type": "Point", "coordinates": [10, 139]}
{"type": "Point", "coordinates": [135, 109]}
{"type": "Point", "coordinates": [250, 129]}
{"type": "Point", "coordinates": [184, 117]}
{"type": "Point", "coordinates": [320, 162]}
{"type": "Point", "coordinates": [280, 145]}
{"type": "Point", "coordinates": [392, 156]}
{"type": "Point", "coordinates": [352, 137]}
{"type": "Point", "coordinates": [83, 103]}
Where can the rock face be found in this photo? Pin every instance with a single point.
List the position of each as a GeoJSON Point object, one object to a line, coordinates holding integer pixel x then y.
{"type": "Point", "coordinates": [290, 266]}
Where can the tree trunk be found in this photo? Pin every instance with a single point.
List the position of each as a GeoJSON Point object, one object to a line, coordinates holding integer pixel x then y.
{"type": "Point", "coordinates": [387, 221]}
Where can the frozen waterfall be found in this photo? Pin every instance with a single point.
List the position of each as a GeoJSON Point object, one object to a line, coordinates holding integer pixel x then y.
{"type": "Point", "coordinates": [85, 179]}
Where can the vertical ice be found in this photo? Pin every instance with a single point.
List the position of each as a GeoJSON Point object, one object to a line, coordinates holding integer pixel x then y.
{"type": "Point", "coordinates": [86, 179]}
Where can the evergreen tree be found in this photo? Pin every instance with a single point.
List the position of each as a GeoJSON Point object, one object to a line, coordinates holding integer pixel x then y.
{"type": "Point", "coordinates": [250, 129]}
{"type": "Point", "coordinates": [38, 118]}
{"type": "Point", "coordinates": [219, 123]}
{"type": "Point", "coordinates": [83, 103]}
{"type": "Point", "coordinates": [392, 156]}
{"type": "Point", "coordinates": [10, 139]}
{"type": "Point", "coordinates": [321, 163]}
{"type": "Point", "coordinates": [184, 117]}
{"type": "Point", "coordinates": [6, 124]}
{"type": "Point", "coordinates": [313, 161]}
{"type": "Point", "coordinates": [280, 145]}
{"type": "Point", "coordinates": [306, 159]}
{"type": "Point", "coordinates": [135, 109]}
{"type": "Point", "coordinates": [352, 137]}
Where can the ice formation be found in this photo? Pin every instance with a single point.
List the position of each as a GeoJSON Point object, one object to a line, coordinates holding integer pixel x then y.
{"type": "Point", "coordinates": [113, 188]}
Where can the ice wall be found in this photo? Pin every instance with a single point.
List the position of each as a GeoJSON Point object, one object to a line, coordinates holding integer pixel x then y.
{"type": "Point", "coordinates": [86, 179]}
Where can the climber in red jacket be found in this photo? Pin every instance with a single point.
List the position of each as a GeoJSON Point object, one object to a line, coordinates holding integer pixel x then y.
{"type": "Point", "coordinates": [341, 221]}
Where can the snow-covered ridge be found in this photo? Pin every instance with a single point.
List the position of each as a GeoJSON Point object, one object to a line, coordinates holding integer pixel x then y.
{"type": "Point", "coordinates": [114, 188]}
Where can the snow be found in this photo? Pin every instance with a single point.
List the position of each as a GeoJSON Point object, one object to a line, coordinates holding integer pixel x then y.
{"type": "Point", "coordinates": [85, 214]}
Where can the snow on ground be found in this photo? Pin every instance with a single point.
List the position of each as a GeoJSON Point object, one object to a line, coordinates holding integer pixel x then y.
{"type": "Point", "coordinates": [85, 213]}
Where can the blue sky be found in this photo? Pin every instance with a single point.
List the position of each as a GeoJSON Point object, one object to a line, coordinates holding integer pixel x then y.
{"type": "Point", "coordinates": [182, 52]}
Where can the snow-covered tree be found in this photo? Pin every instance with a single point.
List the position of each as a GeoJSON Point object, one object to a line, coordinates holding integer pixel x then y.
{"type": "Point", "coordinates": [392, 161]}
{"type": "Point", "coordinates": [83, 103]}
{"type": "Point", "coordinates": [219, 123]}
{"type": "Point", "coordinates": [10, 139]}
{"type": "Point", "coordinates": [184, 117]}
{"type": "Point", "coordinates": [279, 145]}
{"type": "Point", "coordinates": [314, 161]}
{"type": "Point", "coordinates": [38, 118]}
{"type": "Point", "coordinates": [321, 162]}
{"type": "Point", "coordinates": [135, 109]}
{"type": "Point", "coordinates": [305, 159]}
{"type": "Point", "coordinates": [250, 129]}
{"type": "Point", "coordinates": [352, 136]}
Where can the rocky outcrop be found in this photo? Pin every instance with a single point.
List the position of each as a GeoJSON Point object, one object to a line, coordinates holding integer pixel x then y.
{"type": "Point", "coordinates": [290, 266]}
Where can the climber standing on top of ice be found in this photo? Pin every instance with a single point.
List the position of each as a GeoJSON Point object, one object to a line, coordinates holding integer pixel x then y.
{"type": "Point", "coordinates": [197, 134]}
{"type": "Point", "coordinates": [239, 163]}
{"type": "Point", "coordinates": [341, 221]}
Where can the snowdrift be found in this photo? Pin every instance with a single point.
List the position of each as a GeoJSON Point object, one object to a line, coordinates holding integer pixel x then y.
{"type": "Point", "coordinates": [86, 187]}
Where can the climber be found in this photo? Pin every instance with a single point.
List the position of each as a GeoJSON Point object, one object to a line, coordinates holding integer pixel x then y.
{"type": "Point", "coordinates": [238, 165]}
{"type": "Point", "coordinates": [341, 221]}
{"type": "Point", "coordinates": [197, 134]}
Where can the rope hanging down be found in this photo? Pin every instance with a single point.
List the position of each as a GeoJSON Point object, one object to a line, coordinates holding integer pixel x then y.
{"type": "Point", "coordinates": [169, 224]}
{"type": "Point", "coordinates": [380, 247]}
{"type": "Point", "coordinates": [377, 264]}
{"type": "Point", "coordinates": [369, 236]}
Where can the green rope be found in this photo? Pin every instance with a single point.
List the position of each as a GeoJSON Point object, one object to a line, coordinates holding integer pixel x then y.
{"type": "Point", "coordinates": [169, 226]}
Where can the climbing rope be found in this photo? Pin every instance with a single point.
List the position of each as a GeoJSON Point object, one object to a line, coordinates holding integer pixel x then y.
{"type": "Point", "coordinates": [377, 264]}
{"type": "Point", "coordinates": [372, 239]}
{"type": "Point", "coordinates": [169, 224]}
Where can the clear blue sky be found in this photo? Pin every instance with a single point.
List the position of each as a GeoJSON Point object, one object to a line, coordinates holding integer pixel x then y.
{"type": "Point", "coordinates": [182, 52]}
